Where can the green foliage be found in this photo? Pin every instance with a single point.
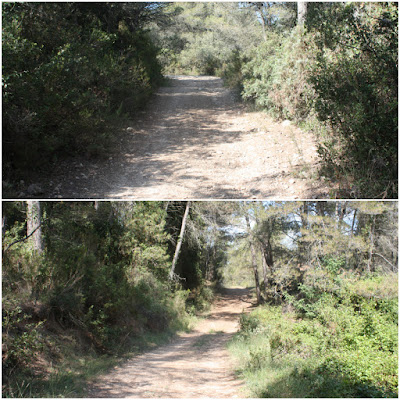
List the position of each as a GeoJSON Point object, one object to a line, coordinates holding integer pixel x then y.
{"type": "Point", "coordinates": [102, 280]}
{"type": "Point", "coordinates": [206, 38]}
{"type": "Point", "coordinates": [276, 76]}
{"type": "Point", "coordinates": [65, 77]}
{"type": "Point", "coordinates": [110, 272]}
{"type": "Point", "coordinates": [203, 298]}
{"type": "Point", "coordinates": [342, 75]}
{"type": "Point", "coordinates": [355, 80]}
{"type": "Point", "coordinates": [234, 273]}
{"type": "Point", "coordinates": [346, 347]}
{"type": "Point", "coordinates": [22, 338]}
{"type": "Point", "coordinates": [333, 265]}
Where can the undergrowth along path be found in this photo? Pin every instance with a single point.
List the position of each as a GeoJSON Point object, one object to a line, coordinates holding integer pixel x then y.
{"type": "Point", "coordinates": [194, 141]}
{"type": "Point", "coordinates": [193, 365]}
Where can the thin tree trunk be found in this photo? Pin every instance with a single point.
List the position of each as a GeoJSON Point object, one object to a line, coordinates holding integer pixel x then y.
{"type": "Point", "coordinates": [3, 225]}
{"type": "Point", "coordinates": [303, 250]}
{"type": "Point", "coordinates": [348, 252]}
{"type": "Point", "coordinates": [265, 272]}
{"type": "Point", "coordinates": [340, 211]}
{"type": "Point", "coordinates": [371, 248]}
{"type": "Point", "coordinates": [301, 12]}
{"type": "Point", "coordinates": [380, 255]}
{"type": "Point", "coordinates": [179, 242]}
{"type": "Point", "coordinates": [267, 259]}
{"type": "Point", "coordinates": [33, 221]}
{"type": "Point", "coordinates": [337, 214]}
{"type": "Point", "coordinates": [254, 262]}
{"type": "Point", "coordinates": [263, 22]}
{"type": "Point", "coordinates": [353, 222]}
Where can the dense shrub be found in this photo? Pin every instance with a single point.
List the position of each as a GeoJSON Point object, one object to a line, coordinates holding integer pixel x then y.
{"type": "Point", "coordinates": [340, 77]}
{"type": "Point", "coordinates": [98, 274]}
{"type": "Point", "coordinates": [276, 76]}
{"type": "Point", "coordinates": [21, 340]}
{"type": "Point", "coordinates": [346, 347]}
{"type": "Point", "coordinates": [355, 80]}
{"type": "Point", "coordinates": [65, 74]}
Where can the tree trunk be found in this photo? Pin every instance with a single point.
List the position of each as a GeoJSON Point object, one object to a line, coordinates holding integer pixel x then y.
{"type": "Point", "coordinates": [33, 221]}
{"type": "Point", "coordinates": [254, 262]}
{"type": "Point", "coordinates": [269, 258]}
{"type": "Point", "coordinates": [265, 272]}
{"type": "Point", "coordinates": [340, 211]}
{"type": "Point", "coordinates": [371, 241]}
{"type": "Point", "coordinates": [348, 252]}
{"type": "Point", "coordinates": [353, 222]}
{"type": "Point", "coordinates": [301, 12]}
{"type": "Point", "coordinates": [179, 242]}
{"type": "Point", "coordinates": [262, 17]}
{"type": "Point", "coordinates": [303, 246]}
{"type": "Point", "coordinates": [3, 225]}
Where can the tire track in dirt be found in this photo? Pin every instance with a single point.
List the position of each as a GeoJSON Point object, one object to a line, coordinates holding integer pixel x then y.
{"type": "Point", "coordinates": [193, 365]}
{"type": "Point", "coordinates": [194, 141]}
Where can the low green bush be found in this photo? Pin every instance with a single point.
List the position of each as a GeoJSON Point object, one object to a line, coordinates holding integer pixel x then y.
{"type": "Point", "coordinates": [346, 347]}
{"type": "Point", "coordinates": [21, 339]}
{"type": "Point", "coordinates": [276, 77]}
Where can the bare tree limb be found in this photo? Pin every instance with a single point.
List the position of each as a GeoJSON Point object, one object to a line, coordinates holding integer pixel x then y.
{"type": "Point", "coordinates": [380, 255]}
{"type": "Point", "coordinates": [179, 242]}
{"type": "Point", "coordinates": [23, 239]}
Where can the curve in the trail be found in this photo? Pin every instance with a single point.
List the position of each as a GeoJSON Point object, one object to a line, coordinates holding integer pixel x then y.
{"type": "Point", "coordinates": [194, 141]}
{"type": "Point", "coordinates": [194, 365]}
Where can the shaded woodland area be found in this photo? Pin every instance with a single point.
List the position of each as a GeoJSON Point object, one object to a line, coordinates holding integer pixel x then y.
{"type": "Point", "coordinates": [74, 72]}
{"type": "Point", "coordinates": [86, 282]}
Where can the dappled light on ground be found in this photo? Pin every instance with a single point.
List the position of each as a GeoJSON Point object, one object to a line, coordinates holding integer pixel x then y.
{"type": "Point", "coordinates": [195, 364]}
{"type": "Point", "coordinates": [195, 141]}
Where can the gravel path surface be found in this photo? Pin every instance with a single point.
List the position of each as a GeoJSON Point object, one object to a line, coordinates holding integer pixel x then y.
{"type": "Point", "coordinates": [194, 365]}
{"type": "Point", "coordinates": [194, 141]}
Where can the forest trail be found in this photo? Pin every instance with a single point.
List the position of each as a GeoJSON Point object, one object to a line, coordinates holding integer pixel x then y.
{"type": "Point", "coordinates": [195, 364]}
{"type": "Point", "coordinates": [194, 141]}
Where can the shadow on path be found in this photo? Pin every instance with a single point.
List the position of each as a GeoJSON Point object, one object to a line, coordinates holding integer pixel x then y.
{"type": "Point", "coordinates": [193, 141]}
{"type": "Point", "coordinates": [193, 365]}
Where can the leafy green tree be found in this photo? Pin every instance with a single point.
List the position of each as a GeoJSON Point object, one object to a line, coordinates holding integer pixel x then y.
{"type": "Point", "coordinates": [68, 69]}
{"type": "Point", "coordinates": [355, 80]}
{"type": "Point", "coordinates": [339, 75]}
{"type": "Point", "coordinates": [206, 37]}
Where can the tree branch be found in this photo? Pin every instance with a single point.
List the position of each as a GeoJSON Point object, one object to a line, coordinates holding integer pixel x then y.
{"type": "Point", "coordinates": [23, 239]}
{"type": "Point", "coordinates": [380, 255]}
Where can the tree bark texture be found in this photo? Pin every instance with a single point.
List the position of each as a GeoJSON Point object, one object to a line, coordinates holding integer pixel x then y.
{"type": "Point", "coordinates": [179, 242]}
{"type": "Point", "coordinates": [265, 272]}
{"type": "Point", "coordinates": [254, 262]}
{"type": "Point", "coordinates": [301, 12]}
{"type": "Point", "coordinates": [33, 221]}
{"type": "Point", "coordinates": [371, 244]}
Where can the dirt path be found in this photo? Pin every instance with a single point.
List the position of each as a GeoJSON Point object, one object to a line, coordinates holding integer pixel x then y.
{"type": "Point", "coordinates": [196, 364]}
{"type": "Point", "coordinates": [194, 141]}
